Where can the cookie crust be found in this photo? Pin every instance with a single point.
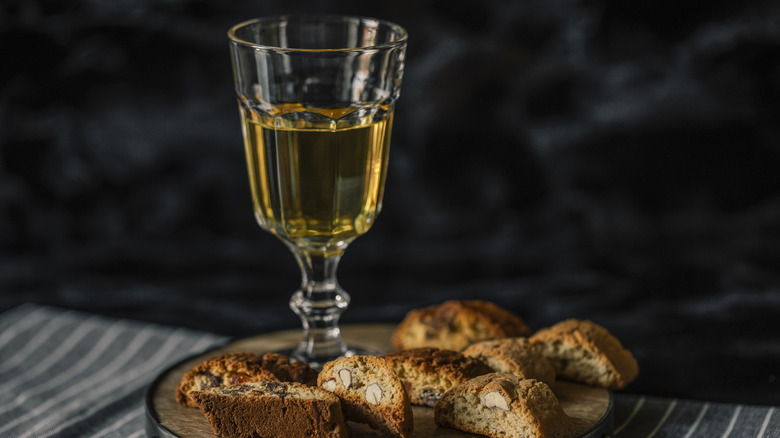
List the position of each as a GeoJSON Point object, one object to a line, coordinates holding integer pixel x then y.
{"type": "Point", "coordinates": [585, 352]}
{"type": "Point", "coordinates": [370, 393]}
{"type": "Point", "coordinates": [455, 324]}
{"type": "Point", "coordinates": [504, 406]}
{"type": "Point", "coordinates": [242, 367]}
{"type": "Point", "coordinates": [272, 409]}
{"type": "Point", "coordinates": [516, 356]}
{"type": "Point", "coordinates": [427, 373]}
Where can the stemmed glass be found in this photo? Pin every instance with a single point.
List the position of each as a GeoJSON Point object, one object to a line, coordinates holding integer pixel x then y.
{"type": "Point", "coordinates": [316, 96]}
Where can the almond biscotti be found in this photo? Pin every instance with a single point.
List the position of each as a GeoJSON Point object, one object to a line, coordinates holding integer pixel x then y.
{"type": "Point", "coordinates": [370, 393]}
{"type": "Point", "coordinates": [235, 368]}
{"type": "Point", "coordinates": [427, 373]}
{"type": "Point", "coordinates": [504, 406]}
{"type": "Point", "coordinates": [454, 325]}
{"type": "Point", "coordinates": [517, 356]}
{"type": "Point", "coordinates": [272, 410]}
{"type": "Point", "coordinates": [585, 352]}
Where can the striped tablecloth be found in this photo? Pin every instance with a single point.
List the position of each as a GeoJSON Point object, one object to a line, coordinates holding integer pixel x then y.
{"type": "Point", "coordinates": [69, 374]}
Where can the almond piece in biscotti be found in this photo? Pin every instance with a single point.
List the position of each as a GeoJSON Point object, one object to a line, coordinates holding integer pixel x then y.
{"type": "Point", "coordinates": [374, 393]}
{"type": "Point", "coordinates": [346, 377]}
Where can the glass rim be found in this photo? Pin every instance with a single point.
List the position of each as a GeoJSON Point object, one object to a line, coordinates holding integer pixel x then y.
{"type": "Point", "coordinates": [277, 18]}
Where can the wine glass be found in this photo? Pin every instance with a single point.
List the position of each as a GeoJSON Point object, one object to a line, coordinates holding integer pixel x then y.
{"type": "Point", "coordinates": [316, 96]}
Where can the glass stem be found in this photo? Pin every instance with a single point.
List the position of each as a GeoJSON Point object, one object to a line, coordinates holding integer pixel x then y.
{"type": "Point", "coordinates": [319, 303]}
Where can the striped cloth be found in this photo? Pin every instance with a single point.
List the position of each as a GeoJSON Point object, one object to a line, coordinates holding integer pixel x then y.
{"type": "Point", "coordinates": [69, 374]}
{"type": "Point", "coordinates": [661, 417]}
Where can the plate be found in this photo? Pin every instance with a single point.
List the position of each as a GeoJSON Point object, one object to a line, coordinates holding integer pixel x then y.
{"type": "Point", "coordinates": [590, 408]}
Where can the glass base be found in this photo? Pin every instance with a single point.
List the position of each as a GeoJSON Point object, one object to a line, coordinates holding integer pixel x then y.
{"type": "Point", "coordinates": [317, 363]}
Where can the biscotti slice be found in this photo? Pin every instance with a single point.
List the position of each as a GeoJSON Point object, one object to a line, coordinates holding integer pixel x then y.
{"type": "Point", "coordinates": [585, 352]}
{"type": "Point", "coordinates": [454, 325]}
{"type": "Point", "coordinates": [272, 410]}
{"type": "Point", "coordinates": [504, 406]}
{"type": "Point", "coordinates": [517, 356]}
{"type": "Point", "coordinates": [234, 368]}
{"type": "Point", "coordinates": [427, 373]}
{"type": "Point", "coordinates": [370, 393]}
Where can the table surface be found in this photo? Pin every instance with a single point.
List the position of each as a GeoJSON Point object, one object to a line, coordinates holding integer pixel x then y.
{"type": "Point", "coordinates": [65, 373]}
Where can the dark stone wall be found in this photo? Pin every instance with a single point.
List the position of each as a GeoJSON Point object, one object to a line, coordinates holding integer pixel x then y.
{"type": "Point", "coordinates": [609, 160]}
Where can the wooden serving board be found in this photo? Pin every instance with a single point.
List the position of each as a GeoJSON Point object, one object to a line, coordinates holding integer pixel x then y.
{"type": "Point", "coordinates": [591, 408]}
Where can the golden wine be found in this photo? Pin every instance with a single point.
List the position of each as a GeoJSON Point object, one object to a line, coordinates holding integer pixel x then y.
{"type": "Point", "coordinates": [317, 175]}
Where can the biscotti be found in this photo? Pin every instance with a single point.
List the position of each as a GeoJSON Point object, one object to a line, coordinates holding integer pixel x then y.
{"type": "Point", "coordinates": [272, 410]}
{"type": "Point", "coordinates": [241, 367]}
{"type": "Point", "coordinates": [454, 325]}
{"type": "Point", "coordinates": [370, 393]}
{"type": "Point", "coordinates": [585, 352]}
{"type": "Point", "coordinates": [504, 406]}
{"type": "Point", "coordinates": [517, 356]}
{"type": "Point", "coordinates": [427, 373]}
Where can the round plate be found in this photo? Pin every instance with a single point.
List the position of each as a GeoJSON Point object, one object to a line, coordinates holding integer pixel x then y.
{"type": "Point", "coordinates": [590, 408]}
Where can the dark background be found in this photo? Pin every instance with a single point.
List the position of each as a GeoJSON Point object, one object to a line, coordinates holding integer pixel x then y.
{"type": "Point", "coordinates": [609, 160]}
